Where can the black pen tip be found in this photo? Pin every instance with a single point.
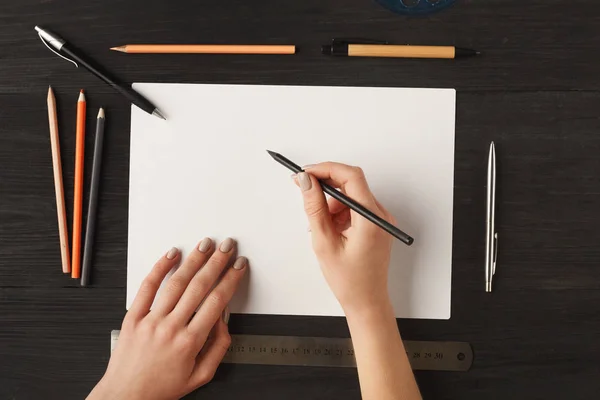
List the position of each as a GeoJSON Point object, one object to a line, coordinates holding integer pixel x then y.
{"type": "Point", "coordinates": [462, 52]}
{"type": "Point", "coordinates": [271, 153]}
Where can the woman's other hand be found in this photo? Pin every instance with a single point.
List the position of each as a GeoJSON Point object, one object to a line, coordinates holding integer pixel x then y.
{"type": "Point", "coordinates": [169, 351]}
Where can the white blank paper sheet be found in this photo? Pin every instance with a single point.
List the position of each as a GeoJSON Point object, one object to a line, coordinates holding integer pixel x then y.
{"type": "Point", "coordinates": [205, 172]}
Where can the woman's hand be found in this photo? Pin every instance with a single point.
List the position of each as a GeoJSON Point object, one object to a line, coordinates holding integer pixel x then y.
{"type": "Point", "coordinates": [353, 252]}
{"type": "Point", "coordinates": [354, 255]}
{"type": "Point", "coordinates": [170, 351]}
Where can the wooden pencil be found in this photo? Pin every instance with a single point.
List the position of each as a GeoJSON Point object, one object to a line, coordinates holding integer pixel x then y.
{"type": "Point", "coordinates": [93, 202]}
{"type": "Point", "coordinates": [78, 187]}
{"type": "Point", "coordinates": [205, 49]}
{"type": "Point", "coordinates": [63, 233]}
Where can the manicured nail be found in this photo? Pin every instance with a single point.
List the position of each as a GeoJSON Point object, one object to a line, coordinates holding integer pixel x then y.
{"type": "Point", "coordinates": [294, 178]}
{"type": "Point", "coordinates": [204, 245]}
{"type": "Point", "coordinates": [304, 181]}
{"type": "Point", "coordinates": [227, 245]}
{"type": "Point", "coordinates": [171, 254]}
{"type": "Point", "coordinates": [308, 166]}
{"type": "Point", "coordinates": [240, 263]}
{"type": "Point", "coordinates": [225, 315]}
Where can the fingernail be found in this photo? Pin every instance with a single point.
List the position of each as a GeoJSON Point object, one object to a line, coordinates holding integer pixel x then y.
{"type": "Point", "coordinates": [227, 245]}
{"type": "Point", "coordinates": [225, 315]}
{"type": "Point", "coordinates": [304, 181]}
{"type": "Point", "coordinates": [308, 166]}
{"type": "Point", "coordinates": [204, 245]}
{"type": "Point", "coordinates": [240, 263]}
{"type": "Point", "coordinates": [171, 254]}
{"type": "Point", "coordinates": [294, 178]}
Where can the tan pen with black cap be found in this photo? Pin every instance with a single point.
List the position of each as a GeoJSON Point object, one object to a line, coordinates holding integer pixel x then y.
{"type": "Point", "coordinates": [378, 48]}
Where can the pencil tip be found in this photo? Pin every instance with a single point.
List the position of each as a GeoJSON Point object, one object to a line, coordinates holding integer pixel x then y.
{"type": "Point", "coordinates": [81, 96]}
{"type": "Point", "coordinates": [101, 113]}
{"type": "Point", "coordinates": [121, 49]}
{"type": "Point", "coordinates": [271, 153]}
{"type": "Point", "coordinates": [50, 97]}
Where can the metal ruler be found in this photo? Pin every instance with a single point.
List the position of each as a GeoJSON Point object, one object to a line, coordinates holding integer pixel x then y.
{"type": "Point", "coordinates": [336, 352]}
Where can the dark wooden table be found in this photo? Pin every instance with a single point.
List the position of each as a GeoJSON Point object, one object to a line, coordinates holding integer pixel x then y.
{"type": "Point", "coordinates": [535, 92]}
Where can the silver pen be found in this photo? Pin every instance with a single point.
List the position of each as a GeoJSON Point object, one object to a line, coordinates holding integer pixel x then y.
{"type": "Point", "coordinates": [491, 236]}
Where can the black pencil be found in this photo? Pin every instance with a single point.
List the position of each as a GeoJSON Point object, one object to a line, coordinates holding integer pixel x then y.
{"type": "Point", "coordinates": [347, 201]}
{"type": "Point", "coordinates": [93, 203]}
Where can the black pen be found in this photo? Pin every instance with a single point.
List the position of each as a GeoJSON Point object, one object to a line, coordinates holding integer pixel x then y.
{"type": "Point", "coordinates": [64, 50]}
{"type": "Point", "coordinates": [347, 201]}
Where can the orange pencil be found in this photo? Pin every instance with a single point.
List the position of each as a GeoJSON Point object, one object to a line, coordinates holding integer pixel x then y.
{"type": "Point", "coordinates": [78, 188]}
{"type": "Point", "coordinates": [58, 183]}
{"type": "Point", "coordinates": [206, 49]}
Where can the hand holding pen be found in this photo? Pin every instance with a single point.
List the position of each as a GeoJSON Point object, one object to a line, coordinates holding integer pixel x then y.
{"type": "Point", "coordinates": [354, 253]}
{"type": "Point", "coordinates": [360, 208]}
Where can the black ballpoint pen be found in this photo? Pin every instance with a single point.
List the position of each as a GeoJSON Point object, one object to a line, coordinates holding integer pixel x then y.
{"type": "Point", "coordinates": [65, 51]}
{"type": "Point", "coordinates": [347, 201]}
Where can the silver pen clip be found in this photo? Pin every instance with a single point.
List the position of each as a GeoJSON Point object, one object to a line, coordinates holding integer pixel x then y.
{"type": "Point", "coordinates": [495, 254]}
{"type": "Point", "coordinates": [54, 51]}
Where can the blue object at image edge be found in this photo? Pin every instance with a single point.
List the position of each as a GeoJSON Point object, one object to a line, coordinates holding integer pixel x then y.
{"type": "Point", "coordinates": [415, 7]}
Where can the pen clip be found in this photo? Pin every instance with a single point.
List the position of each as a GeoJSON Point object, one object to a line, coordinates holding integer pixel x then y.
{"type": "Point", "coordinates": [357, 41]}
{"type": "Point", "coordinates": [54, 51]}
{"type": "Point", "coordinates": [495, 254]}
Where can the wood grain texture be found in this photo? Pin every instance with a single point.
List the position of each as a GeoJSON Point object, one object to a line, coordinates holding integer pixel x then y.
{"type": "Point", "coordinates": [534, 91]}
